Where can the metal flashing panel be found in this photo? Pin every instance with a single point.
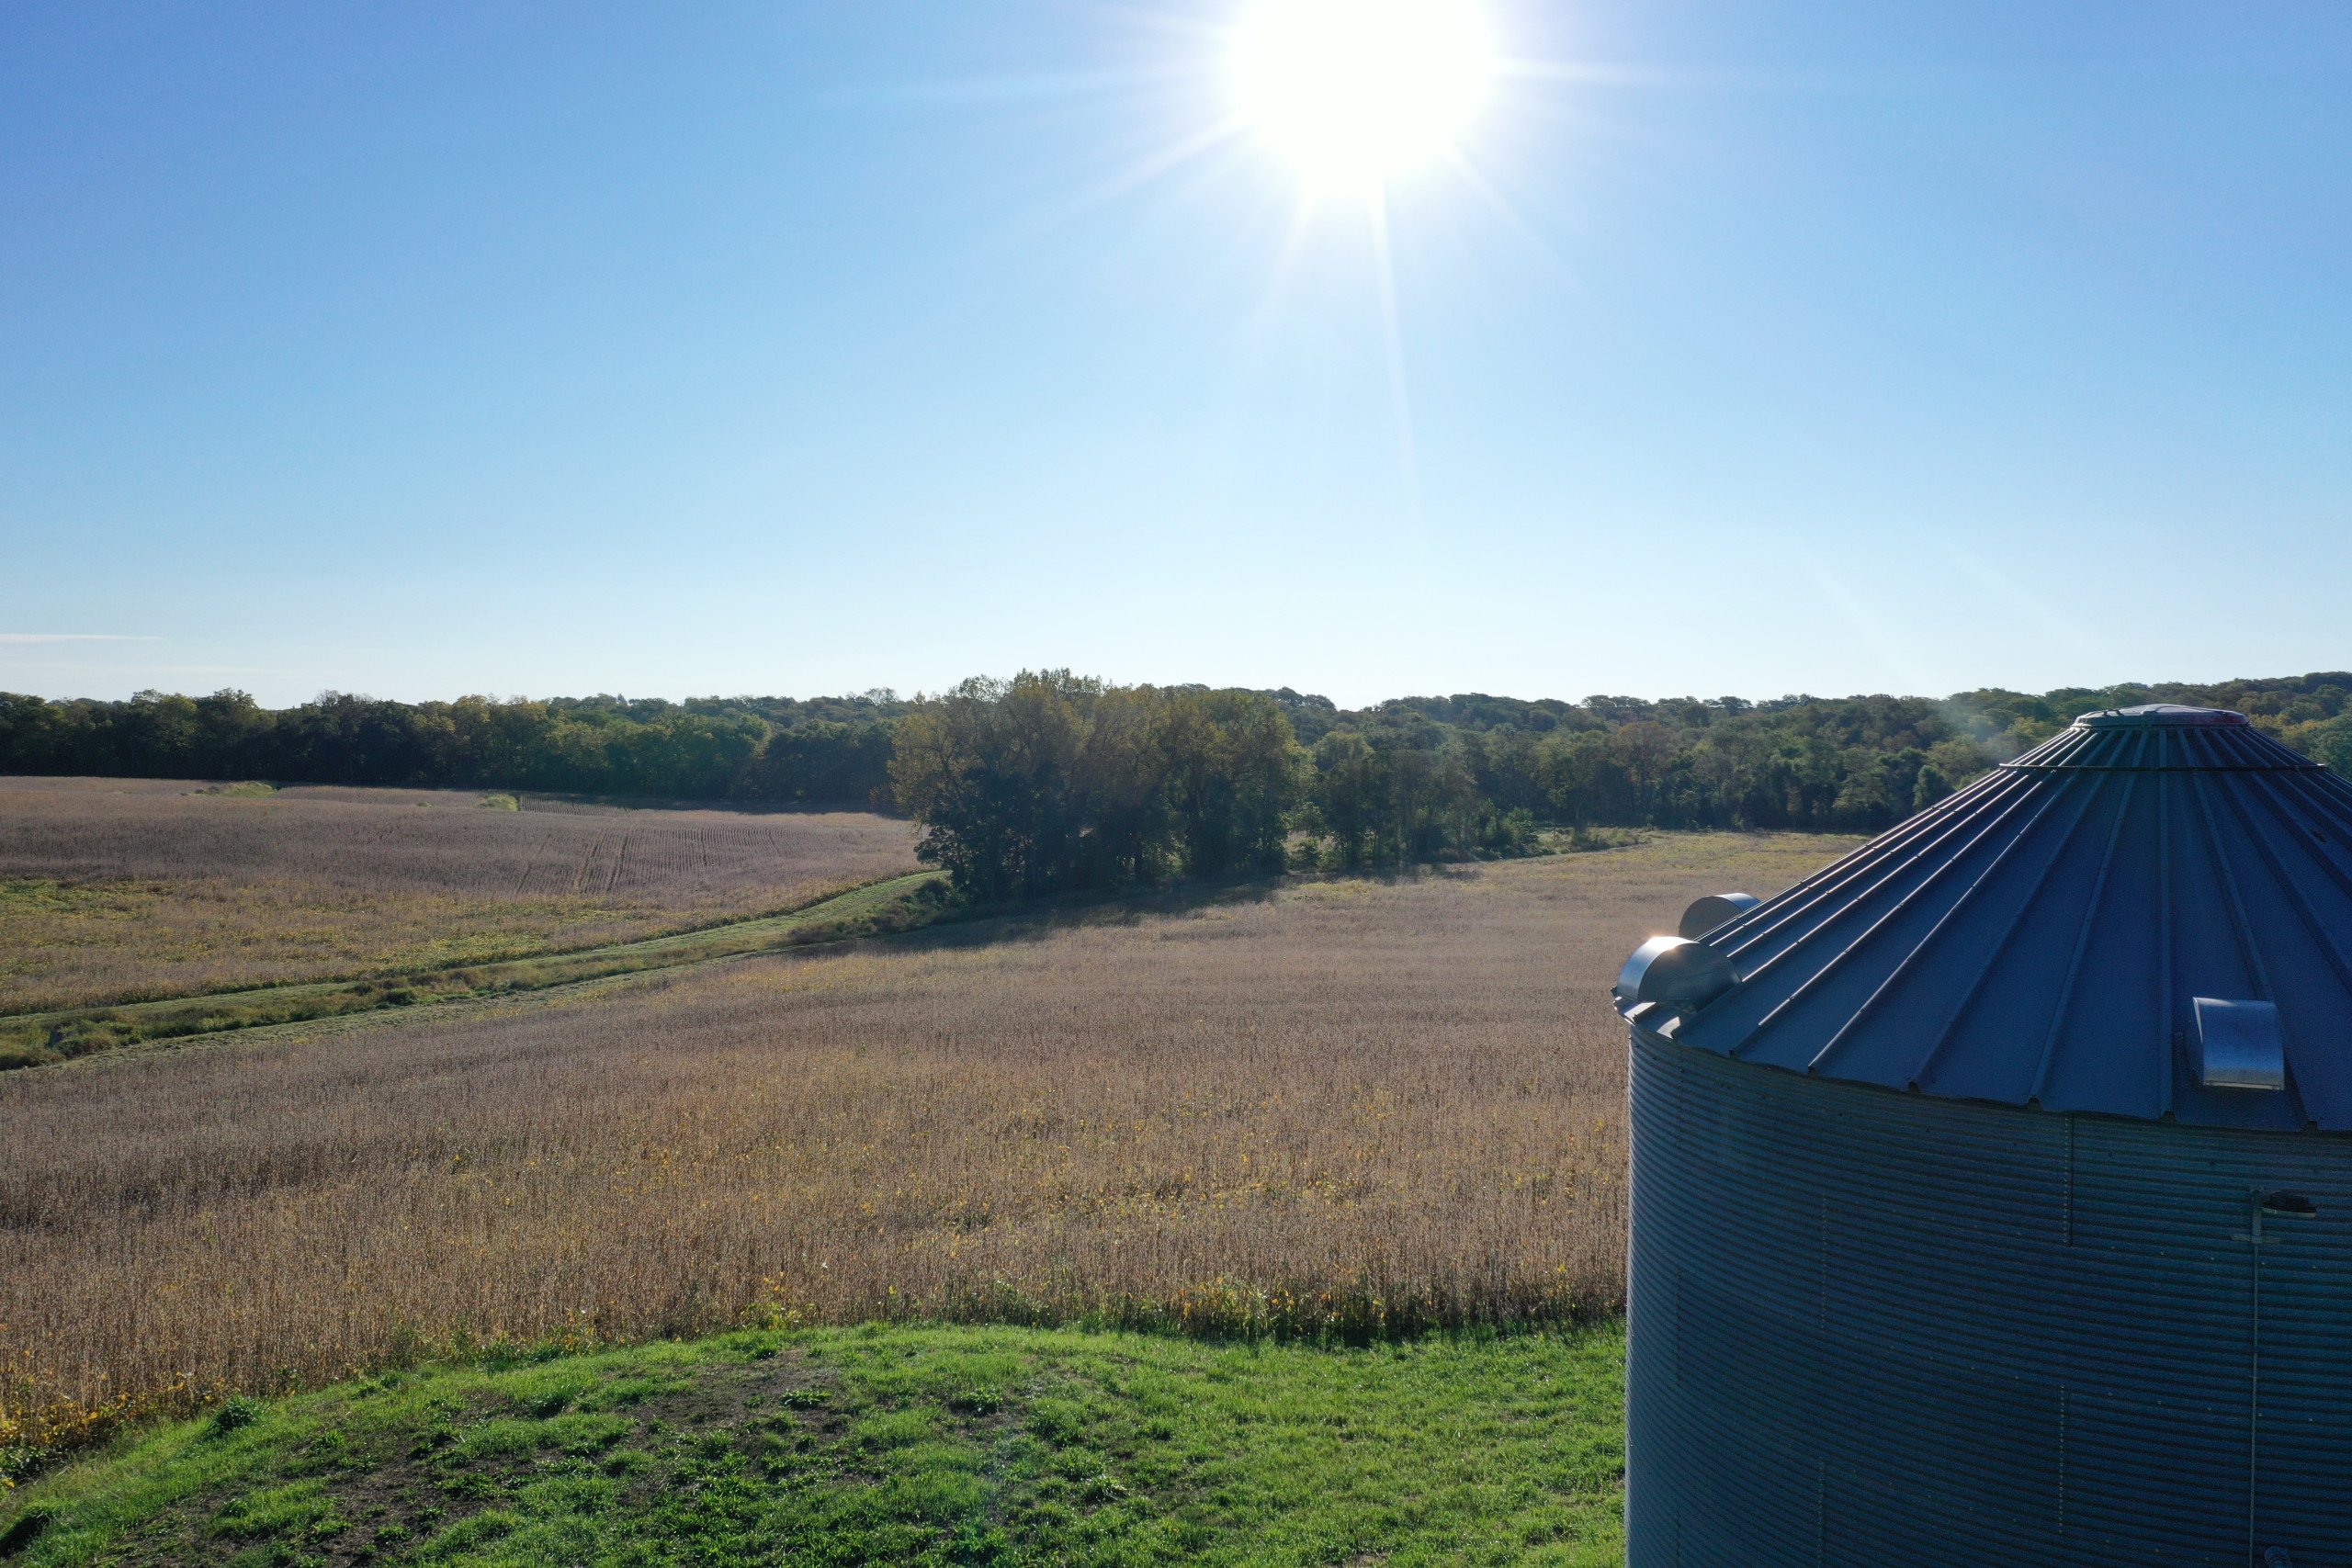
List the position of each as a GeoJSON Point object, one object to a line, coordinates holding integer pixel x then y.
{"type": "Point", "coordinates": [2239, 1045]}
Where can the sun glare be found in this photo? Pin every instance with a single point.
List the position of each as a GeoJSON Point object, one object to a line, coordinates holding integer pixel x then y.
{"type": "Point", "coordinates": [1354, 92]}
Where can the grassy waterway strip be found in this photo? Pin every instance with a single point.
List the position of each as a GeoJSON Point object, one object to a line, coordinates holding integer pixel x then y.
{"type": "Point", "coordinates": [901, 1444]}
{"type": "Point", "coordinates": [896, 903]}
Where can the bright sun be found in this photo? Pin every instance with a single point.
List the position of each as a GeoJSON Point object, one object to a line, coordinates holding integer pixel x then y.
{"type": "Point", "coordinates": [1354, 92]}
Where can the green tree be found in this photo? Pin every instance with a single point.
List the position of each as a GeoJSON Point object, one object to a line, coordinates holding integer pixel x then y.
{"type": "Point", "coordinates": [1233, 778]}
{"type": "Point", "coordinates": [988, 771]}
{"type": "Point", "coordinates": [1347, 794]}
{"type": "Point", "coordinates": [1049, 782]}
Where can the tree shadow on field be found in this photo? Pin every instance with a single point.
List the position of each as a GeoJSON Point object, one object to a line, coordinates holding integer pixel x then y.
{"type": "Point", "coordinates": [995, 924]}
{"type": "Point", "coordinates": [546, 802]}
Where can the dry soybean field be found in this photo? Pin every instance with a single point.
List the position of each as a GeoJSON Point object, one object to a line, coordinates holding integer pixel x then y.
{"type": "Point", "coordinates": [1350, 1106]}
{"type": "Point", "coordinates": [115, 889]}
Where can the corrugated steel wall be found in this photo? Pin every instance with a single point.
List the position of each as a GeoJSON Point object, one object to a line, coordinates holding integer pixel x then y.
{"type": "Point", "coordinates": [1870, 1327]}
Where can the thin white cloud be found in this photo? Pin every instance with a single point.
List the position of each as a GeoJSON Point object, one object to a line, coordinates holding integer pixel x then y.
{"type": "Point", "coordinates": [71, 636]}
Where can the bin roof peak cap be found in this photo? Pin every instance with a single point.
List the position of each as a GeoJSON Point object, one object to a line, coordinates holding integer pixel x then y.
{"type": "Point", "coordinates": [2166, 714]}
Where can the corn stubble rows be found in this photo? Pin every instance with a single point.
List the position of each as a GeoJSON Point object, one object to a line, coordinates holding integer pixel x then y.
{"type": "Point", "coordinates": [114, 890]}
{"type": "Point", "coordinates": [1348, 1107]}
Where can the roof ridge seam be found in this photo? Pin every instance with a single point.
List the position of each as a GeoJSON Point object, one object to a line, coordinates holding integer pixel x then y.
{"type": "Point", "coordinates": [1903, 966]}
{"type": "Point", "coordinates": [2312, 924]}
{"type": "Point", "coordinates": [1889, 846]}
{"type": "Point", "coordinates": [2082, 941]}
{"type": "Point", "coordinates": [1766, 1022]}
{"type": "Point", "coordinates": [2241, 927]}
{"type": "Point", "coordinates": [2017, 918]}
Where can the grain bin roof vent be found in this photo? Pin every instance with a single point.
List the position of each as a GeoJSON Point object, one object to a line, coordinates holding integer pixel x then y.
{"type": "Point", "coordinates": [1716, 909]}
{"type": "Point", "coordinates": [1672, 975]}
{"type": "Point", "coordinates": [2041, 938]}
{"type": "Point", "coordinates": [2238, 1045]}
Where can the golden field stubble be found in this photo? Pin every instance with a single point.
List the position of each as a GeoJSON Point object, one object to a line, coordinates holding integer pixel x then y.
{"type": "Point", "coordinates": [1351, 1105]}
{"type": "Point", "coordinates": [112, 889]}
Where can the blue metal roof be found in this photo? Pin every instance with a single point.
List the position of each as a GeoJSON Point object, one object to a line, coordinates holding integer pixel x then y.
{"type": "Point", "coordinates": [2045, 936]}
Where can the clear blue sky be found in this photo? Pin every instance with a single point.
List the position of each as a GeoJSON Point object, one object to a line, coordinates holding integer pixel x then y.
{"type": "Point", "coordinates": [428, 348]}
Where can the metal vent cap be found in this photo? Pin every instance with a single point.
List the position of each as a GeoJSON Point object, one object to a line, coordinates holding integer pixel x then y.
{"type": "Point", "coordinates": [1673, 974]}
{"type": "Point", "coordinates": [1713, 910]}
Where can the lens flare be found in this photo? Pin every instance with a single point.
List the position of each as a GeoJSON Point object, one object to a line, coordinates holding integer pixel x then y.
{"type": "Point", "coordinates": [1352, 93]}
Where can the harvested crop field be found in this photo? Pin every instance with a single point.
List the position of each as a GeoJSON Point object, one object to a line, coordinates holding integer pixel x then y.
{"type": "Point", "coordinates": [1349, 1106]}
{"type": "Point", "coordinates": [113, 890]}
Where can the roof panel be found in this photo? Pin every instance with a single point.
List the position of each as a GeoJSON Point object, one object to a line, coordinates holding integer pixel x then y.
{"type": "Point", "coordinates": [2039, 938]}
{"type": "Point", "coordinates": [2111, 997]}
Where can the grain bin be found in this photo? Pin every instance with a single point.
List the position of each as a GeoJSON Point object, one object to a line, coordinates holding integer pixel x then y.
{"type": "Point", "coordinates": [1992, 1188]}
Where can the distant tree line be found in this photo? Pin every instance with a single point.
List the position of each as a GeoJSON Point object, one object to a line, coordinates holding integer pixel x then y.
{"type": "Point", "coordinates": [830, 751]}
{"type": "Point", "coordinates": [1855, 764]}
{"type": "Point", "coordinates": [1049, 780]}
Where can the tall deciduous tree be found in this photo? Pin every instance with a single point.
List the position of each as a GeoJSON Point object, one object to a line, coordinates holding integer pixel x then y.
{"type": "Point", "coordinates": [1049, 782]}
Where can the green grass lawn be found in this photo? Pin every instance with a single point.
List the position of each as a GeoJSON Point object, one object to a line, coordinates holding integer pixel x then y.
{"type": "Point", "coordinates": [885, 1446]}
